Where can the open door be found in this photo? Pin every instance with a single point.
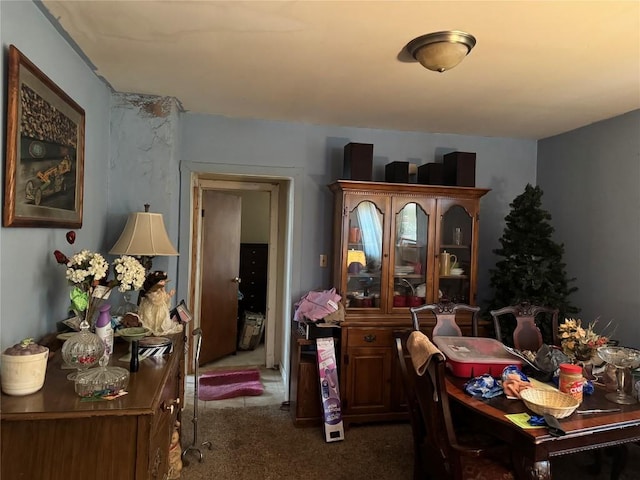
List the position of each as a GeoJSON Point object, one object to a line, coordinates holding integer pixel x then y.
{"type": "Point", "coordinates": [220, 269]}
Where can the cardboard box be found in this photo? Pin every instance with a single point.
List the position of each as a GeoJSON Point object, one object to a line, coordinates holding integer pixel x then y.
{"type": "Point", "coordinates": [311, 331]}
{"type": "Point", "coordinates": [252, 329]}
{"type": "Point", "coordinates": [329, 390]}
{"type": "Point", "coordinates": [460, 169]}
{"type": "Point", "coordinates": [358, 161]}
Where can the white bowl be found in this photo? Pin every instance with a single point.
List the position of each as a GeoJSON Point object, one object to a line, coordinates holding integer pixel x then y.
{"type": "Point", "coordinates": [456, 271]}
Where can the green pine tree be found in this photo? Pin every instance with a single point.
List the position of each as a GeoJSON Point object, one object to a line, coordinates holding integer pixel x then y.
{"type": "Point", "coordinates": [531, 267]}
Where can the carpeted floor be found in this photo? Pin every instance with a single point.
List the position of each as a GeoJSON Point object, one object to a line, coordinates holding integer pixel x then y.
{"type": "Point", "coordinates": [262, 443]}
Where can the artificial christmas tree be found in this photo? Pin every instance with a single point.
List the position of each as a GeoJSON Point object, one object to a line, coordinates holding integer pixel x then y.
{"type": "Point", "coordinates": [531, 269]}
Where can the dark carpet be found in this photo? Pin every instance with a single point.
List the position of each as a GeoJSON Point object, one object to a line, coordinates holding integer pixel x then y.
{"type": "Point", "coordinates": [262, 443]}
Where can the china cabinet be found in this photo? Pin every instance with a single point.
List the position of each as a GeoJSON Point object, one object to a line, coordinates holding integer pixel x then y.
{"type": "Point", "coordinates": [396, 246]}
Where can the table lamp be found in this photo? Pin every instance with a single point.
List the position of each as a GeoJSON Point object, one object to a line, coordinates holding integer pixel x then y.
{"type": "Point", "coordinates": [356, 260]}
{"type": "Point", "coordinates": [144, 236]}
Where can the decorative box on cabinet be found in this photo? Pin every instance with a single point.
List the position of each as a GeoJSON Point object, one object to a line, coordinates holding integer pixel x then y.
{"type": "Point", "coordinates": [405, 229]}
{"type": "Point", "coordinates": [460, 169]}
{"type": "Point", "coordinates": [396, 172]}
{"type": "Point", "coordinates": [431, 174]}
{"type": "Point", "coordinates": [52, 434]}
{"type": "Point", "coordinates": [358, 161]}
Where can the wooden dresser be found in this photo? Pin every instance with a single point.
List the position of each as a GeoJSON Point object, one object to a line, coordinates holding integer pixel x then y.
{"type": "Point", "coordinates": [52, 434]}
{"type": "Point", "coordinates": [253, 272]}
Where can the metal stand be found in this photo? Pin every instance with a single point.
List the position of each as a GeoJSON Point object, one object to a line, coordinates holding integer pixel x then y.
{"type": "Point", "coordinates": [193, 447]}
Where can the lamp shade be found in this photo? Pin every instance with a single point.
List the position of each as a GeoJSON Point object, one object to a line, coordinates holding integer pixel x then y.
{"type": "Point", "coordinates": [144, 235]}
{"type": "Point", "coordinates": [356, 256]}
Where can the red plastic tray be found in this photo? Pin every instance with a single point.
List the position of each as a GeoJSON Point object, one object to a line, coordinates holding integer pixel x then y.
{"type": "Point", "coordinates": [469, 357]}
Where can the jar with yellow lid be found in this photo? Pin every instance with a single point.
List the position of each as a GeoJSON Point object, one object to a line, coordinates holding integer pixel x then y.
{"type": "Point", "coordinates": [571, 380]}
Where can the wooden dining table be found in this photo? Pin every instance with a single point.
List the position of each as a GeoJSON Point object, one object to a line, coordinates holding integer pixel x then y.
{"type": "Point", "coordinates": [534, 448]}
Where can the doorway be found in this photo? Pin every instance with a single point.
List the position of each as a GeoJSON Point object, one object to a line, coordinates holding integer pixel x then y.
{"type": "Point", "coordinates": [255, 195]}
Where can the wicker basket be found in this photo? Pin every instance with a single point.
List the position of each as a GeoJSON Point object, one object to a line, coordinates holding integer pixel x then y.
{"type": "Point", "coordinates": [540, 401]}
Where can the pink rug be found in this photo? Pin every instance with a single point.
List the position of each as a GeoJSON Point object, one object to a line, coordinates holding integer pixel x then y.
{"type": "Point", "coordinates": [222, 384]}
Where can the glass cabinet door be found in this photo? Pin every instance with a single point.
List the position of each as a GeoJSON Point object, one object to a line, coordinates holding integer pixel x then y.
{"type": "Point", "coordinates": [364, 256]}
{"type": "Point", "coordinates": [455, 259]}
{"type": "Point", "coordinates": [409, 255]}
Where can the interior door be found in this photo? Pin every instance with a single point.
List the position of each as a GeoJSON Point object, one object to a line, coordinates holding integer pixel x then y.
{"type": "Point", "coordinates": [220, 269]}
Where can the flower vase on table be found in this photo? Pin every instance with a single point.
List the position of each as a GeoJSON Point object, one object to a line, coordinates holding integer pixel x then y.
{"type": "Point", "coordinates": [581, 344]}
{"type": "Point", "coordinates": [87, 272]}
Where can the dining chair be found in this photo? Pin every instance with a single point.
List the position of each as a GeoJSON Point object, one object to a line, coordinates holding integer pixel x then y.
{"type": "Point", "coordinates": [527, 334]}
{"type": "Point", "coordinates": [415, 418]}
{"type": "Point", "coordinates": [442, 452]}
{"type": "Point", "coordinates": [445, 313]}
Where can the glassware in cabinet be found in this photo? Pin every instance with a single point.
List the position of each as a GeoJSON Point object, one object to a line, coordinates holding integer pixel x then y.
{"type": "Point", "coordinates": [409, 260]}
{"type": "Point", "coordinates": [456, 262]}
{"type": "Point", "coordinates": [364, 255]}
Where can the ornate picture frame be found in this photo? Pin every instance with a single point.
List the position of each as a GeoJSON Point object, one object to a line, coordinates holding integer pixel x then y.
{"type": "Point", "coordinates": [44, 170]}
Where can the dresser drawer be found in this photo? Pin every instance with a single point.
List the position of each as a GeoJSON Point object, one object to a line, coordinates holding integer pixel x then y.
{"type": "Point", "coordinates": [369, 337]}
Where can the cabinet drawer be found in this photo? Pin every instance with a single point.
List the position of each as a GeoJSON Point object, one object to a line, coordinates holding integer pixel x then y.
{"type": "Point", "coordinates": [370, 337]}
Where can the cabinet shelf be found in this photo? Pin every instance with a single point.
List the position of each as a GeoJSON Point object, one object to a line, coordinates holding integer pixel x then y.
{"type": "Point", "coordinates": [452, 246]}
{"type": "Point", "coordinates": [454, 277]}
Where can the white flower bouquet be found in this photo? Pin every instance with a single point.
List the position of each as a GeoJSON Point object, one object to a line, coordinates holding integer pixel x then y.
{"type": "Point", "coordinates": [88, 271]}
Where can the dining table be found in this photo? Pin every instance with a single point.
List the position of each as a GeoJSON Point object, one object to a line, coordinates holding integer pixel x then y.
{"type": "Point", "coordinates": [533, 448]}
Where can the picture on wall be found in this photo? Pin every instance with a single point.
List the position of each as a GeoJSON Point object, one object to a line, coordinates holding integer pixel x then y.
{"type": "Point", "coordinates": [44, 171]}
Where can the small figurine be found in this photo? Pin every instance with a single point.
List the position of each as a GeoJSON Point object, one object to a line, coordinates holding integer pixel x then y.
{"type": "Point", "coordinates": [155, 305]}
{"type": "Point", "coordinates": [175, 454]}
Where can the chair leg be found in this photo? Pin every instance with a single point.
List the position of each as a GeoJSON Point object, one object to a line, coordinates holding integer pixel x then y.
{"type": "Point", "coordinates": [619, 455]}
{"type": "Point", "coordinates": [419, 471]}
{"type": "Point", "coordinates": [596, 466]}
{"type": "Point", "coordinates": [619, 460]}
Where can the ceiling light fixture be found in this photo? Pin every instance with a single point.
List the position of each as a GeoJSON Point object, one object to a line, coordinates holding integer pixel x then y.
{"type": "Point", "coordinates": [441, 51]}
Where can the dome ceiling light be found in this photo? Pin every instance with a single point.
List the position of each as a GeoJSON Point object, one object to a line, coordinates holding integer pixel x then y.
{"type": "Point", "coordinates": [441, 51]}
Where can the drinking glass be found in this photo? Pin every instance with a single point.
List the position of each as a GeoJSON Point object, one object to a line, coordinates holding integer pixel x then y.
{"type": "Point", "coordinates": [457, 236]}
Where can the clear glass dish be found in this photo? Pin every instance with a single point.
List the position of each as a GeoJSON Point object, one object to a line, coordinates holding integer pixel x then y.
{"type": "Point", "coordinates": [101, 381]}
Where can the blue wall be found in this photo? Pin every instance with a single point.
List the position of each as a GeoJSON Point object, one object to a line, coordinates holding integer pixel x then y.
{"type": "Point", "coordinates": [504, 165]}
{"type": "Point", "coordinates": [591, 183]}
{"type": "Point", "coordinates": [33, 290]}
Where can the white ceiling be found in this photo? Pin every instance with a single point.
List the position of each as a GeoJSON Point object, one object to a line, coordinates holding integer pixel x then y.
{"type": "Point", "coordinates": [539, 68]}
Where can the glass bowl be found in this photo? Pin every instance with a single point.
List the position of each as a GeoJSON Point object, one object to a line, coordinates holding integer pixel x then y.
{"type": "Point", "coordinates": [101, 381]}
{"type": "Point", "coordinates": [82, 350]}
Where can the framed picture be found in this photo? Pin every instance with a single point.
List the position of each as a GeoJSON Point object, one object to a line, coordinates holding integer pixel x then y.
{"type": "Point", "coordinates": [181, 313]}
{"type": "Point", "coordinates": [44, 171]}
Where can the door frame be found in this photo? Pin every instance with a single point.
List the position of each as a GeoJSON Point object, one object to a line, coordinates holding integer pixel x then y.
{"type": "Point", "coordinates": [235, 186]}
{"type": "Point", "coordinates": [290, 235]}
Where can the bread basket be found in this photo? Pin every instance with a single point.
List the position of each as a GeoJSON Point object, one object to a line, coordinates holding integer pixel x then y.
{"type": "Point", "coordinates": [542, 401]}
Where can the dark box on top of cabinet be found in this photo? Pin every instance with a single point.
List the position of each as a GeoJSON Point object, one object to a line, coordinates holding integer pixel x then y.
{"type": "Point", "coordinates": [358, 162]}
{"type": "Point", "coordinates": [396, 172]}
{"type": "Point", "coordinates": [460, 169]}
{"type": "Point", "coordinates": [431, 174]}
